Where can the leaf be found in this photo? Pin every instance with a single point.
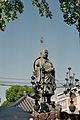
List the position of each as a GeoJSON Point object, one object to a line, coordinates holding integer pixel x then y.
{"type": "Point", "coordinates": [9, 10]}
{"type": "Point", "coordinates": [71, 12]}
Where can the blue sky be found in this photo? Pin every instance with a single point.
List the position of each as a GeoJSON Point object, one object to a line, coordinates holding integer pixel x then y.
{"type": "Point", "coordinates": [20, 44]}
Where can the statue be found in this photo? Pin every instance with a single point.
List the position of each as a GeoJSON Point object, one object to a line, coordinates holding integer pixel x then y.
{"type": "Point", "coordinates": [43, 81]}
{"type": "Point", "coordinates": [44, 73]}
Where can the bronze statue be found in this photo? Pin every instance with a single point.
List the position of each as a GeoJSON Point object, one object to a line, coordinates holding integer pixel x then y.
{"type": "Point", "coordinates": [44, 72]}
{"type": "Point", "coordinates": [43, 80]}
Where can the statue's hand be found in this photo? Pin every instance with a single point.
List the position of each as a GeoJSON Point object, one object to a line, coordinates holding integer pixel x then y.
{"type": "Point", "coordinates": [43, 70]}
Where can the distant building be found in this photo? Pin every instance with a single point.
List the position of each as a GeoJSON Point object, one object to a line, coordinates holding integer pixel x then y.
{"type": "Point", "coordinates": [64, 100]}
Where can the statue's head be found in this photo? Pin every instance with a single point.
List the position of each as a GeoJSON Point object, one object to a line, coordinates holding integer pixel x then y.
{"type": "Point", "coordinates": [44, 53]}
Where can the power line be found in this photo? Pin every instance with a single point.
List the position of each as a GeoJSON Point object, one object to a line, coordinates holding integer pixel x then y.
{"type": "Point", "coordinates": [13, 78]}
{"type": "Point", "coordinates": [59, 82]}
{"type": "Point", "coordinates": [10, 83]}
{"type": "Point", "coordinates": [19, 78]}
{"type": "Point", "coordinates": [14, 82]}
{"type": "Point", "coordinates": [3, 84]}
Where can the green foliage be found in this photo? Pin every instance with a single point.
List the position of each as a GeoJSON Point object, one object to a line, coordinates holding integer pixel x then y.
{"type": "Point", "coordinates": [43, 8]}
{"type": "Point", "coordinates": [71, 12]}
{"type": "Point", "coordinates": [6, 103]}
{"type": "Point", "coordinates": [9, 10]}
{"type": "Point", "coordinates": [16, 92]}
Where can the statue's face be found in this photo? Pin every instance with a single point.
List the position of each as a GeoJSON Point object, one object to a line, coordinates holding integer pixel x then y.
{"type": "Point", "coordinates": [44, 53]}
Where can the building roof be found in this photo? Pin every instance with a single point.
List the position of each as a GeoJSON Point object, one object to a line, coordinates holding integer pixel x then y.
{"type": "Point", "coordinates": [26, 103]}
{"type": "Point", "coordinates": [13, 113]}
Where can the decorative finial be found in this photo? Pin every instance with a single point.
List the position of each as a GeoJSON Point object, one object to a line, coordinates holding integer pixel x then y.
{"type": "Point", "coordinates": [41, 40]}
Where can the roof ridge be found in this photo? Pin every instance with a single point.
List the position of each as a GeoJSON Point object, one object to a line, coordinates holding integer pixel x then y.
{"type": "Point", "coordinates": [18, 101]}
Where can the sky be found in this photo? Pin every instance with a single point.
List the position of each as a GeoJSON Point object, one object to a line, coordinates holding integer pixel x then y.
{"type": "Point", "coordinates": [20, 45]}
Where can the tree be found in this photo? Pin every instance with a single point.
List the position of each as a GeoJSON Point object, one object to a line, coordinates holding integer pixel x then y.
{"type": "Point", "coordinates": [71, 12]}
{"type": "Point", "coordinates": [16, 92]}
{"type": "Point", "coordinates": [9, 10]}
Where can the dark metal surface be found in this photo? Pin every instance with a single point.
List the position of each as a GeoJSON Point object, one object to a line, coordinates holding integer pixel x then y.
{"type": "Point", "coordinates": [13, 113]}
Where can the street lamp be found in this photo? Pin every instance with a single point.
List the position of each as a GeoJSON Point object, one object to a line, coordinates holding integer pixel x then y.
{"type": "Point", "coordinates": [69, 88]}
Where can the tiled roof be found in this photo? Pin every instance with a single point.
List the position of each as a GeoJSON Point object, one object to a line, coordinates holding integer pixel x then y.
{"type": "Point", "coordinates": [26, 103]}
{"type": "Point", "coordinates": [13, 113]}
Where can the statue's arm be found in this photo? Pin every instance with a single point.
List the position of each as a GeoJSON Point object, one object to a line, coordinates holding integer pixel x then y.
{"type": "Point", "coordinates": [50, 67]}
{"type": "Point", "coordinates": [37, 65]}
